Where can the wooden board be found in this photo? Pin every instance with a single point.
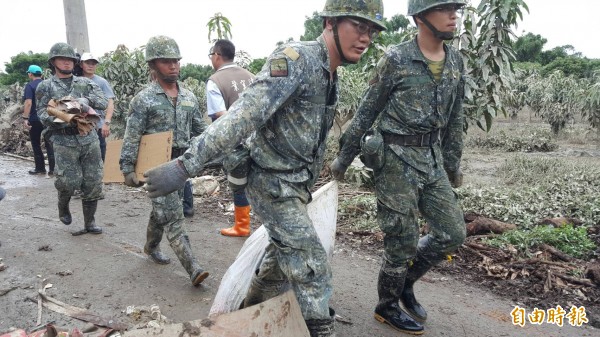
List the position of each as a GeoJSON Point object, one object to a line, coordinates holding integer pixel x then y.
{"type": "Point", "coordinates": [278, 317]}
{"type": "Point", "coordinates": [155, 149]}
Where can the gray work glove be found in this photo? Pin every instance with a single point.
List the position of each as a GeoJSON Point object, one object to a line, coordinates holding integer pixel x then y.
{"type": "Point", "coordinates": [131, 180]}
{"type": "Point", "coordinates": [456, 178]}
{"type": "Point", "coordinates": [85, 104]}
{"type": "Point", "coordinates": [338, 169]}
{"type": "Point", "coordinates": [166, 178]}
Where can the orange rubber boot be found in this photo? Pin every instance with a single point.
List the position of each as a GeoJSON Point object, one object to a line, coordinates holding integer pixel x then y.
{"type": "Point", "coordinates": [242, 222]}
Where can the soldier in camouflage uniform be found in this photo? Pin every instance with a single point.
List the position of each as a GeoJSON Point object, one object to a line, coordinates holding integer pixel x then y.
{"type": "Point", "coordinates": [78, 159]}
{"type": "Point", "coordinates": [162, 106]}
{"type": "Point", "coordinates": [287, 112]}
{"type": "Point", "coordinates": [409, 126]}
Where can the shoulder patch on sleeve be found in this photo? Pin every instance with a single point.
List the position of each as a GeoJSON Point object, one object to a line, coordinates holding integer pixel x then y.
{"type": "Point", "coordinates": [291, 53]}
{"type": "Point", "coordinates": [279, 67]}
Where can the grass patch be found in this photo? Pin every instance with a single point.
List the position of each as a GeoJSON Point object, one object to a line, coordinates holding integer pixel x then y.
{"type": "Point", "coordinates": [537, 141]}
{"type": "Point", "coordinates": [546, 187]}
{"type": "Point", "coordinates": [359, 213]}
{"type": "Point", "coordinates": [568, 239]}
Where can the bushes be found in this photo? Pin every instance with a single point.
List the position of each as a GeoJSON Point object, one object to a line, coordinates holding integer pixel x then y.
{"type": "Point", "coordinates": [545, 187]}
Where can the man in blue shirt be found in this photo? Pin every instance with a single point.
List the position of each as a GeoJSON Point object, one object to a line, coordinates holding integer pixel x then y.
{"type": "Point", "coordinates": [32, 122]}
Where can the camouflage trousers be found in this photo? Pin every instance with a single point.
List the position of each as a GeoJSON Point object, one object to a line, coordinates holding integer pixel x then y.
{"type": "Point", "coordinates": [167, 215]}
{"type": "Point", "coordinates": [79, 168]}
{"type": "Point", "coordinates": [295, 253]}
{"type": "Point", "coordinates": [402, 193]}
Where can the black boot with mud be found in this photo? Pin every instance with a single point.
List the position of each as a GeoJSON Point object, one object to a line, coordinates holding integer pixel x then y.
{"type": "Point", "coordinates": [89, 210]}
{"type": "Point", "coordinates": [322, 327]}
{"type": "Point", "coordinates": [64, 214]}
{"type": "Point", "coordinates": [154, 236]}
{"type": "Point", "coordinates": [182, 248]}
{"type": "Point", "coordinates": [156, 255]}
{"type": "Point", "coordinates": [199, 276]}
{"type": "Point", "coordinates": [394, 316]}
{"type": "Point", "coordinates": [414, 308]}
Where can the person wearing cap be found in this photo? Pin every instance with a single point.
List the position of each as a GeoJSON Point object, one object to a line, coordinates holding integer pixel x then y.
{"type": "Point", "coordinates": [36, 128]}
{"type": "Point", "coordinates": [89, 63]}
{"type": "Point", "coordinates": [416, 98]}
{"type": "Point", "coordinates": [286, 115]}
{"type": "Point", "coordinates": [78, 160]}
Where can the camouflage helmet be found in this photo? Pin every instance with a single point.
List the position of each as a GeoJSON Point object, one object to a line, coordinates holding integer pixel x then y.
{"type": "Point", "coordinates": [162, 47]}
{"type": "Point", "coordinates": [371, 10]}
{"type": "Point", "coordinates": [62, 49]}
{"type": "Point", "coordinates": [418, 6]}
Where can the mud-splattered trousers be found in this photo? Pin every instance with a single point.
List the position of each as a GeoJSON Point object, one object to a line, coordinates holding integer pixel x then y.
{"type": "Point", "coordinates": [78, 164]}
{"type": "Point", "coordinates": [78, 168]}
{"type": "Point", "coordinates": [151, 111]}
{"type": "Point", "coordinates": [405, 101]}
{"type": "Point", "coordinates": [285, 114]}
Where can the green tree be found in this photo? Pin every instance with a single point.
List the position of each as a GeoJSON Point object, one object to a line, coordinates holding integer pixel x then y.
{"type": "Point", "coordinates": [313, 27]}
{"type": "Point", "coordinates": [127, 72]}
{"type": "Point", "coordinates": [219, 25]}
{"type": "Point", "coordinates": [555, 98]}
{"type": "Point", "coordinates": [199, 72]}
{"type": "Point", "coordinates": [528, 47]}
{"type": "Point", "coordinates": [256, 65]}
{"type": "Point", "coordinates": [16, 69]}
{"type": "Point", "coordinates": [555, 53]}
{"type": "Point", "coordinates": [485, 43]}
{"type": "Point", "coordinates": [572, 65]}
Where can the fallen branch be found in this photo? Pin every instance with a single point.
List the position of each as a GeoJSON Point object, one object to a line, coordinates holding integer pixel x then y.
{"type": "Point", "coordinates": [552, 263]}
{"type": "Point", "coordinates": [6, 291]}
{"type": "Point", "coordinates": [480, 247]}
{"type": "Point", "coordinates": [557, 253]}
{"type": "Point", "coordinates": [580, 281]}
{"type": "Point", "coordinates": [79, 313]}
{"type": "Point", "coordinates": [17, 156]}
{"type": "Point", "coordinates": [482, 225]}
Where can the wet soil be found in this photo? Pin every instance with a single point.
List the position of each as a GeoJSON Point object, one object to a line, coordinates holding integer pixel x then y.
{"type": "Point", "coordinates": [107, 273]}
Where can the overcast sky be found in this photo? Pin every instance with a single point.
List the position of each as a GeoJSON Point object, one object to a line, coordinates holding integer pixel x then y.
{"type": "Point", "coordinates": [257, 25]}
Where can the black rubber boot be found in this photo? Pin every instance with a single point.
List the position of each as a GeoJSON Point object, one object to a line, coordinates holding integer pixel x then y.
{"type": "Point", "coordinates": [182, 248]}
{"type": "Point", "coordinates": [89, 211]}
{"type": "Point", "coordinates": [152, 246]}
{"type": "Point", "coordinates": [64, 214]}
{"type": "Point", "coordinates": [388, 310]}
{"type": "Point", "coordinates": [322, 327]}
{"type": "Point", "coordinates": [261, 290]}
{"type": "Point", "coordinates": [419, 267]}
{"type": "Point", "coordinates": [414, 308]}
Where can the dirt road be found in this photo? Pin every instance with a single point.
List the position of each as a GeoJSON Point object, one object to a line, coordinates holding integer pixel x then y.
{"type": "Point", "coordinates": [108, 272]}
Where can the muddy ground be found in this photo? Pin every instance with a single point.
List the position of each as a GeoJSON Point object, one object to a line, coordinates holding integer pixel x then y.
{"type": "Point", "coordinates": [109, 272]}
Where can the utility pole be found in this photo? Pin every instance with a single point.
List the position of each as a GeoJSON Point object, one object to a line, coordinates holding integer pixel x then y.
{"type": "Point", "coordinates": [76, 24]}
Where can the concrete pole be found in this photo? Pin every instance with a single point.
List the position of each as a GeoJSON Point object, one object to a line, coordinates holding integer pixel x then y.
{"type": "Point", "coordinates": [76, 24]}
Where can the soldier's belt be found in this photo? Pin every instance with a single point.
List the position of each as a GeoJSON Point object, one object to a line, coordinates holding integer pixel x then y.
{"type": "Point", "coordinates": [423, 140]}
{"type": "Point", "coordinates": [68, 131]}
{"type": "Point", "coordinates": [270, 170]}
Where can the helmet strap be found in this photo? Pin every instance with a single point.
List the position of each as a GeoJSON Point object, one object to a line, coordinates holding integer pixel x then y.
{"type": "Point", "coordinates": [338, 45]}
{"type": "Point", "coordinates": [440, 35]}
{"type": "Point", "coordinates": [64, 72]}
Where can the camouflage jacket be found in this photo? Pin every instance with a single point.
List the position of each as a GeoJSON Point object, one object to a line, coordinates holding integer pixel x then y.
{"type": "Point", "coordinates": [408, 101]}
{"type": "Point", "coordinates": [55, 88]}
{"type": "Point", "coordinates": [287, 112]}
{"type": "Point", "coordinates": [151, 111]}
